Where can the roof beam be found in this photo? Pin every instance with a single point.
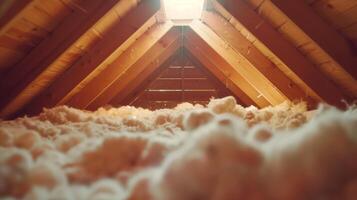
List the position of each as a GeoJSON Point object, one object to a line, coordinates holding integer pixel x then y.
{"type": "Point", "coordinates": [136, 86]}
{"type": "Point", "coordinates": [24, 74]}
{"type": "Point", "coordinates": [210, 58]}
{"type": "Point", "coordinates": [152, 59]}
{"type": "Point", "coordinates": [239, 63]}
{"type": "Point", "coordinates": [98, 85]}
{"type": "Point", "coordinates": [223, 89]}
{"type": "Point", "coordinates": [15, 11]}
{"type": "Point", "coordinates": [246, 49]}
{"type": "Point", "coordinates": [320, 32]}
{"type": "Point", "coordinates": [287, 53]}
{"type": "Point", "coordinates": [112, 40]}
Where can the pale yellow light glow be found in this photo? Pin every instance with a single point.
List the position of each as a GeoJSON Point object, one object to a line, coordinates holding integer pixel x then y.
{"type": "Point", "coordinates": [183, 9]}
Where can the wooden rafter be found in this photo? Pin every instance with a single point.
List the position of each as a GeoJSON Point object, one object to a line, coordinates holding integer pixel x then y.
{"type": "Point", "coordinates": [98, 85]}
{"type": "Point", "coordinates": [222, 88]}
{"type": "Point", "coordinates": [111, 41]}
{"type": "Point", "coordinates": [15, 11]}
{"type": "Point", "coordinates": [320, 32]}
{"type": "Point", "coordinates": [24, 74]}
{"type": "Point", "coordinates": [287, 53]}
{"type": "Point", "coordinates": [239, 63]}
{"type": "Point", "coordinates": [138, 85]}
{"type": "Point", "coordinates": [246, 49]}
{"type": "Point", "coordinates": [152, 59]}
{"type": "Point", "coordinates": [223, 70]}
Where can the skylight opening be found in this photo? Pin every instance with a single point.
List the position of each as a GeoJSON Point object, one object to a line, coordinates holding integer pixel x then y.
{"type": "Point", "coordinates": [183, 10]}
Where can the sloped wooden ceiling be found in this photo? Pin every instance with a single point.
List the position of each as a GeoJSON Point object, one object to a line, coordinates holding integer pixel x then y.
{"type": "Point", "coordinates": [86, 53]}
{"type": "Point", "coordinates": [182, 80]}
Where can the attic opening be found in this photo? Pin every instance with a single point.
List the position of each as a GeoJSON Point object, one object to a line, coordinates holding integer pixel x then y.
{"type": "Point", "coordinates": [183, 11]}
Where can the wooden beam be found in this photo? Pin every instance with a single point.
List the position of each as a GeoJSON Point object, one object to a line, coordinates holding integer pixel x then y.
{"type": "Point", "coordinates": [111, 41]}
{"type": "Point", "coordinates": [92, 90]}
{"type": "Point", "coordinates": [15, 11]}
{"type": "Point", "coordinates": [153, 58]}
{"type": "Point", "coordinates": [223, 70]}
{"type": "Point", "coordinates": [320, 32]}
{"type": "Point", "coordinates": [223, 89]}
{"type": "Point", "coordinates": [240, 64]}
{"type": "Point", "coordinates": [246, 49]}
{"type": "Point", "coordinates": [24, 74]}
{"type": "Point", "coordinates": [138, 85]}
{"type": "Point", "coordinates": [287, 53]}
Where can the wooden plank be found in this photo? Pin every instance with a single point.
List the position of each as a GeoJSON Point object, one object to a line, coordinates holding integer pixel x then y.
{"type": "Point", "coordinates": [189, 72]}
{"type": "Point", "coordinates": [111, 41]}
{"type": "Point", "coordinates": [166, 84]}
{"type": "Point", "coordinates": [197, 84]}
{"type": "Point", "coordinates": [199, 95]}
{"type": "Point", "coordinates": [15, 12]}
{"type": "Point", "coordinates": [222, 70]}
{"type": "Point", "coordinates": [163, 95]}
{"type": "Point", "coordinates": [140, 84]}
{"type": "Point", "coordinates": [154, 105]}
{"type": "Point", "coordinates": [13, 44]}
{"type": "Point", "coordinates": [49, 50]}
{"type": "Point", "coordinates": [240, 64]}
{"type": "Point", "coordinates": [221, 87]}
{"type": "Point", "coordinates": [320, 32]}
{"type": "Point", "coordinates": [245, 48]}
{"type": "Point", "coordinates": [157, 55]}
{"type": "Point", "coordinates": [137, 86]}
{"type": "Point", "coordinates": [285, 51]}
{"type": "Point", "coordinates": [91, 91]}
{"type": "Point", "coordinates": [172, 73]}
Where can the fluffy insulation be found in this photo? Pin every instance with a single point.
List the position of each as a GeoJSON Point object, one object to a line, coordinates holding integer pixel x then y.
{"type": "Point", "coordinates": [221, 151]}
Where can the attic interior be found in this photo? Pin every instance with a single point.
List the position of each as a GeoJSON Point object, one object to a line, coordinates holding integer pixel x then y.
{"type": "Point", "coordinates": [178, 99]}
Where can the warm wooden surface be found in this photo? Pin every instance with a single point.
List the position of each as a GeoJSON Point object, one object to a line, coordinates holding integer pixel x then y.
{"type": "Point", "coordinates": [240, 64]}
{"type": "Point", "coordinates": [320, 32]}
{"type": "Point", "coordinates": [38, 68]}
{"type": "Point", "coordinates": [96, 86]}
{"type": "Point", "coordinates": [297, 63]}
{"type": "Point", "coordinates": [245, 48]}
{"type": "Point", "coordinates": [341, 14]}
{"type": "Point", "coordinates": [212, 60]}
{"type": "Point", "coordinates": [139, 84]}
{"type": "Point", "coordinates": [153, 59]}
{"type": "Point", "coordinates": [112, 39]}
{"type": "Point", "coordinates": [182, 80]}
{"type": "Point", "coordinates": [282, 55]}
{"type": "Point", "coordinates": [318, 56]}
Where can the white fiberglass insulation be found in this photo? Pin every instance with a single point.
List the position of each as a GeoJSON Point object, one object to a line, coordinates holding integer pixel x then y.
{"type": "Point", "coordinates": [219, 152]}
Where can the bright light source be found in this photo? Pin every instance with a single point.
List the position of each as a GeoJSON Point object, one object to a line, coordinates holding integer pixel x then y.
{"type": "Point", "coordinates": [183, 9]}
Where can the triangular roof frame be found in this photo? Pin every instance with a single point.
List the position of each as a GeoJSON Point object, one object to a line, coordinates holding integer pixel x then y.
{"type": "Point", "coordinates": [102, 72]}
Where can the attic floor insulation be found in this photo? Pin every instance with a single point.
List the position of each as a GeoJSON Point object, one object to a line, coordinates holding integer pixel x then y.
{"type": "Point", "coordinates": [219, 152]}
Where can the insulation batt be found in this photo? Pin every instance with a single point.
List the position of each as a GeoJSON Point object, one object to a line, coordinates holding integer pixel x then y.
{"type": "Point", "coordinates": [221, 151]}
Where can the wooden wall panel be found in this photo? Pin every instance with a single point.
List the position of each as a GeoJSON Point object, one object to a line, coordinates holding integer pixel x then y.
{"type": "Point", "coordinates": [180, 87]}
